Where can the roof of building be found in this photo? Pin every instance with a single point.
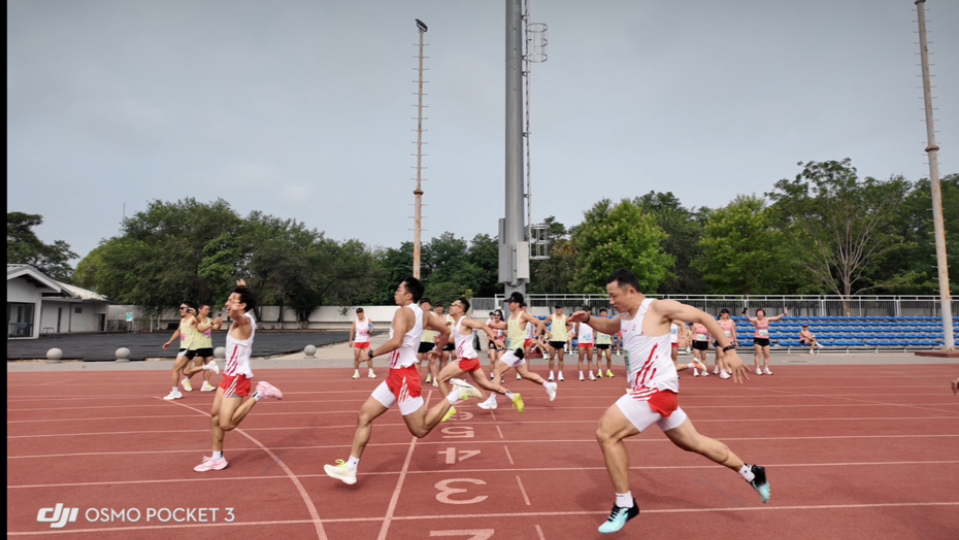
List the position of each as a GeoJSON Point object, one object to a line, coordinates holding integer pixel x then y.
{"type": "Point", "coordinates": [51, 285]}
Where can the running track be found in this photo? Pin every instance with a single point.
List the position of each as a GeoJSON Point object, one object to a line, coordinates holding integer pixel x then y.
{"type": "Point", "coordinates": [851, 453]}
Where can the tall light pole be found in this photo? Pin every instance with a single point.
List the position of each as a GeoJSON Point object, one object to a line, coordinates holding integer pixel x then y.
{"type": "Point", "coordinates": [514, 249]}
{"type": "Point", "coordinates": [418, 192]}
{"type": "Point", "coordinates": [932, 150]}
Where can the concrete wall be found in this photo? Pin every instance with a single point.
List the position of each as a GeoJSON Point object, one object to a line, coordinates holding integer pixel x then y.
{"type": "Point", "coordinates": [88, 320]}
{"type": "Point", "coordinates": [22, 291]}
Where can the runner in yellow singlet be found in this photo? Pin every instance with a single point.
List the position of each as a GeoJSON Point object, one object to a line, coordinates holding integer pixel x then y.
{"type": "Point", "coordinates": [427, 344]}
{"type": "Point", "coordinates": [604, 344]}
{"type": "Point", "coordinates": [559, 327]}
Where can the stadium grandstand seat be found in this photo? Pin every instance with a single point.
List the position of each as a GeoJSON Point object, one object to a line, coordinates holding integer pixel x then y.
{"type": "Point", "coordinates": [852, 332]}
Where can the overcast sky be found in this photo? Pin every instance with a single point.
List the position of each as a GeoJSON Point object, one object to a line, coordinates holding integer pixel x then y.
{"type": "Point", "coordinates": [304, 109]}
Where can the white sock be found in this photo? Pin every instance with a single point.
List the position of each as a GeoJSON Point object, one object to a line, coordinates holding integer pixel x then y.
{"type": "Point", "coordinates": [625, 500]}
{"type": "Point", "coordinates": [580, 374]}
{"type": "Point", "coordinates": [691, 365]}
{"type": "Point", "coordinates": [551, 374]}
{"type": "Point", "coordinates": [508, 394]}
{"type": "Point", "coordinates": [176, 389]}
{"type": "Point", "coordinates": [218, 455]}
{"type": "Point", "coordinates": [453, 397]}
{"type": "Point", "coordinates": [546, 384]}
{"type": "Point", "coordinates": [356, 372]}
{"type": "Point", "coordinates": [747, 473]}
{"type": "Point", "coordinates": [257, 396]}
{"type": "Point", "coordinates": [352, 463]}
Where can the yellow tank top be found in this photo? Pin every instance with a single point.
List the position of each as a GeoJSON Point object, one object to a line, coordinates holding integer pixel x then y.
{"type": "Point", "coordinates": [558, 329]}
{"type": "Point", "coordinates": [515, 332]}
{"type": "Point", "coordinates": [603, 339]}
{"type": "Point", "coordinates": [429, 336]}
{"type": "Point", "coordinates": [204, 340]}
{"type": "Point", "coordinates": [186, 335]}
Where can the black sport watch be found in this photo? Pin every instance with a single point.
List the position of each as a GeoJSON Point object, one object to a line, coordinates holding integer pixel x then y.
{"type": "Point", "coordinates": [729, 347]}
{"type": "Point", "coordinates": [370, 354]}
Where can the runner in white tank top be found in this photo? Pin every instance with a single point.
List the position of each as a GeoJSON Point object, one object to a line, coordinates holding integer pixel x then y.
{"type": "Point", "coordinates": [466, 360]}
{"type": "Point", "coordinates": [229, 405]}
{"type": "Point", "coordinates": [653, 396]}
{"type": "Point", "coordinates": [585, 339]}
{"type": "Point", "coordinates": [403, 383]}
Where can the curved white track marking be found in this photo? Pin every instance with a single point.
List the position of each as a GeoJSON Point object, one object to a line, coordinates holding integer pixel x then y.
{"type": "Point", "coordinates": [320, 531]}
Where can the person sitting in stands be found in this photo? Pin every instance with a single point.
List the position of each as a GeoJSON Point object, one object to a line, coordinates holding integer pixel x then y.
{"type": "Point", "coordinates": [806, 338]}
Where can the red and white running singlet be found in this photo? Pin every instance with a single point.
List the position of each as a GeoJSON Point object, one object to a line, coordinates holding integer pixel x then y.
{"type": "Point", "coordinates": [238, 352]}
{"type": "Point", "coordinates": [464, 344]}
{"type": "Point", "coordinates": [405, 356]}
{"type": "Point", "coordinates": [362, 331]}
{"type": "Point", "coordinates": [585, 336]}
{"type": "Point", "coordinates": [651, 367]}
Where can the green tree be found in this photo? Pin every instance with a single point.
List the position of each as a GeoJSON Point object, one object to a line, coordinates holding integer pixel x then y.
{"type": "Point", "coordinates": [843, 225]}
{"type": "Point", "coordinates": [684, 230]}
{"type": "Point", "coordinates": [743, 252]}
{"type": "Point", "coordinates": [484, 256]}
{"type": "Point", "coordinates": [554, 275]}
{"type": "Point", "coordinates": [619, 236]}
{"type": "Point", "coordinates": [24, 247]}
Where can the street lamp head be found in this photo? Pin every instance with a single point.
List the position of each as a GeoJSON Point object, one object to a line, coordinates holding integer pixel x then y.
{"type": "Point", "coordinates": [421, 25]}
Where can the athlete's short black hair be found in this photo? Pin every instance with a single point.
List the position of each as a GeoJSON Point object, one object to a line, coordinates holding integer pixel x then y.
{"type": "Point", "coordinates": [516, 297]}
{"type": "Point", "coordinates": [603, 310]}
{"type": "Point", "coordinates": [625, 277]}
{"type": "Point", "coordinates": [247, 296]}
{"type": "Point", "coordinates": [426, 301]}
{"type": "Point", "coordinates": [190, 304]}
{"type": "Point", "coordinates": [465, 303]}
{"type": "Point", "coordinates": [414, 287]}
{"type": "Point", "coordinates": [359, 310]}
{"type": "Point", "coordinates": [438, 304]}
{"type": "Point", "coordinates": [558, 306]}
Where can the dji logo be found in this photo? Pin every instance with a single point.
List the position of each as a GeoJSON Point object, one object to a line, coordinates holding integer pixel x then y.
{"type": "Point", "coordinates": [57, 517]}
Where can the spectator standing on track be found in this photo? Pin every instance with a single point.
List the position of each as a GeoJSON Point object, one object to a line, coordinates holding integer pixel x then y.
{"type": "Point", "coordinates": [494, 350]}
{"type": "Point", "coordinates": [360, 332]}
{"type": "Point", "coordinates": [514, 356]}
{"type": "Point", "coordinates": [229, 407]}
{"type": "Point", "coordinates": [603, 344]}
{"type": "Point", "coordinates": [427, 344]}
{"type": "Point", "coordinates": [761, 337]}
{"type": "Point", "coordinates": [203, 327]}
{"type": "Point", "coordinates": [448, 349]}
{"type": "Point", "coordinates": [807, 338]}
{"type": "Point", "coordinates": [465, 359]}
{"type": "Point", "coordinates": [677, 329]}
{"type": "Point", "coordinates": [185, 332]}
{"type": "Point", "coordinates": [700, 348]}
{"type": "Point", "coordinates": [653, 397]}
{"type": "Point", "coordinates": [559, 327]}
{"type": "Point", "coordinates": [403, 383]}
{"type": "Point", "coordinates": [585, 340]}
{"type": "Point", "coordinates": [729, 330]}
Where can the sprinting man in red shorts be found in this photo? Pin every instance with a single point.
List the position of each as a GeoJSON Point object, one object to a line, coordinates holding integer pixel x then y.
{"type": "Point", "coordinates": [229, 407]}
{"type": "Point", "coordinates": [466, 360]}
{"type": "Point", "coordinates": [653, 397]}
{"type": "Point", "coordinates": [402, 385]}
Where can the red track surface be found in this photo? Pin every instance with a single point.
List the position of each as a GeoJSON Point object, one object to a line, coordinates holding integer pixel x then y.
{"type": "Point", "coordinates": [851, 453]}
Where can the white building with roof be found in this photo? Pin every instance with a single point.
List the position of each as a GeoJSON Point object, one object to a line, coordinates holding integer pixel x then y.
{"type": "Point", "coordinates": [38, 304]}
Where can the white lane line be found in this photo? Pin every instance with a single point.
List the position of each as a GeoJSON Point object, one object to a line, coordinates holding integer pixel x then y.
{"type": "Point", "coordinates": [498, 430]}
{"type": "Point", "coordinates": [318, 525]}
{"type": "Point", "coordinates": [399, 482]}
{"type": "Point", "coordinates": [539, 532]}
{"type": "Point", "coordinates": [508, 455]}
{"type": "Point", "coordinates": [534, 469]}
{"type": "Point", "coordinates": [523, 490]}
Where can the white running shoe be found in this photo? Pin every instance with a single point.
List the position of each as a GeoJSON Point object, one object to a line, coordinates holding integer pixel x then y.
{"type": "Point", "coordinates": [467, 390]}
{"type": "Point", "coordinates": [723, 374]}
{"type": "Point", "coordinates": [371, 374]}
{"type": "Point", "coordinates": [489, 403]}
{"type": "Point", "coordinates": [268, 390]}
{"type": "Point", "coordinates": [340, 472]}
{"type": "Point", "coordinates": [207, 387]}
{"type": "Point", "coordinates": [591, 376]}
{"type": "Point", "coordinates": [211, 464]}
{"type": "Point", "coordinates": [759, 371]}
{"type": "Point", "coordinates": [695, 372]}
{"type": "Point", "coordinates": [551, 390]}
{"type": "Point", "coordinates": [581, 378]}
{"type": "Point", "coordinates": [716, 370]}
{"type": "Point", "coordinates": [211, 365]}
{"type": "Point", "coordinates": [429, 378]}
{"type": "Point", "coordinates": [187, 386]}
{"type": "Point", "coordinates": [518, 376]}
{"type": "Point", "coordinates": [767, 372]}
{"type": "Point", "coordinates": [435, 383]}
{"type": "Point", "coordinates": [550, 378]}
{"type": "Point", "coordinates": [560, 378]}
{"type": "Point", "coordinates": [174, 394]}
{"type": "Point", "coordinates": [356, 375]}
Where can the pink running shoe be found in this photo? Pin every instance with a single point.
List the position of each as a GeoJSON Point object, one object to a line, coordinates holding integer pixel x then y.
{"type": "Point", "coordinates": [268, 390]}
{"type": "Point", "coordinates": [210, 464]}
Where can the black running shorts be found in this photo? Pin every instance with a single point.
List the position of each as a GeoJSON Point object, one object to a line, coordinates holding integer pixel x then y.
{"type": "Point", "coordinates": [426, 346]}
{"type": "Point", "coordinates": [701, 345]}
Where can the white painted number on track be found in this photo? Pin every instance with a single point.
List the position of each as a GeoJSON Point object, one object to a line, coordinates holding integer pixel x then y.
{"type": "Point", "coordinates": [445, 491]}
{"type": "Point", "coordinates": [450, 454]}
{"type": "Point", "coordinates": [483, 534]}
{"type": "Point", "coordinates": [457, 432]}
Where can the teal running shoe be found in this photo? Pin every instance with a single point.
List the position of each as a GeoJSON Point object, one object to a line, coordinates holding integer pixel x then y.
{"type": "Point", "coordinates": [759, 483]}
{"type": "Point", "coordinates": [618, 518]}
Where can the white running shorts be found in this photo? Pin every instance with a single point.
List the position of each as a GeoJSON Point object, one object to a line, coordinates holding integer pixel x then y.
{"type": "Point", "coordinates": [511, 360]}
{"type": "Point", "coordinates": [641, 416]}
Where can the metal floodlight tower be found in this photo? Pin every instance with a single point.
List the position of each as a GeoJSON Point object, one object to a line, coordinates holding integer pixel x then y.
{"type": "Point", "coordinates": [418, 192]}
{"type": "Point", "coordinates": [514, 237]}
{"type": "Point", "coordinates": [932, 150]}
